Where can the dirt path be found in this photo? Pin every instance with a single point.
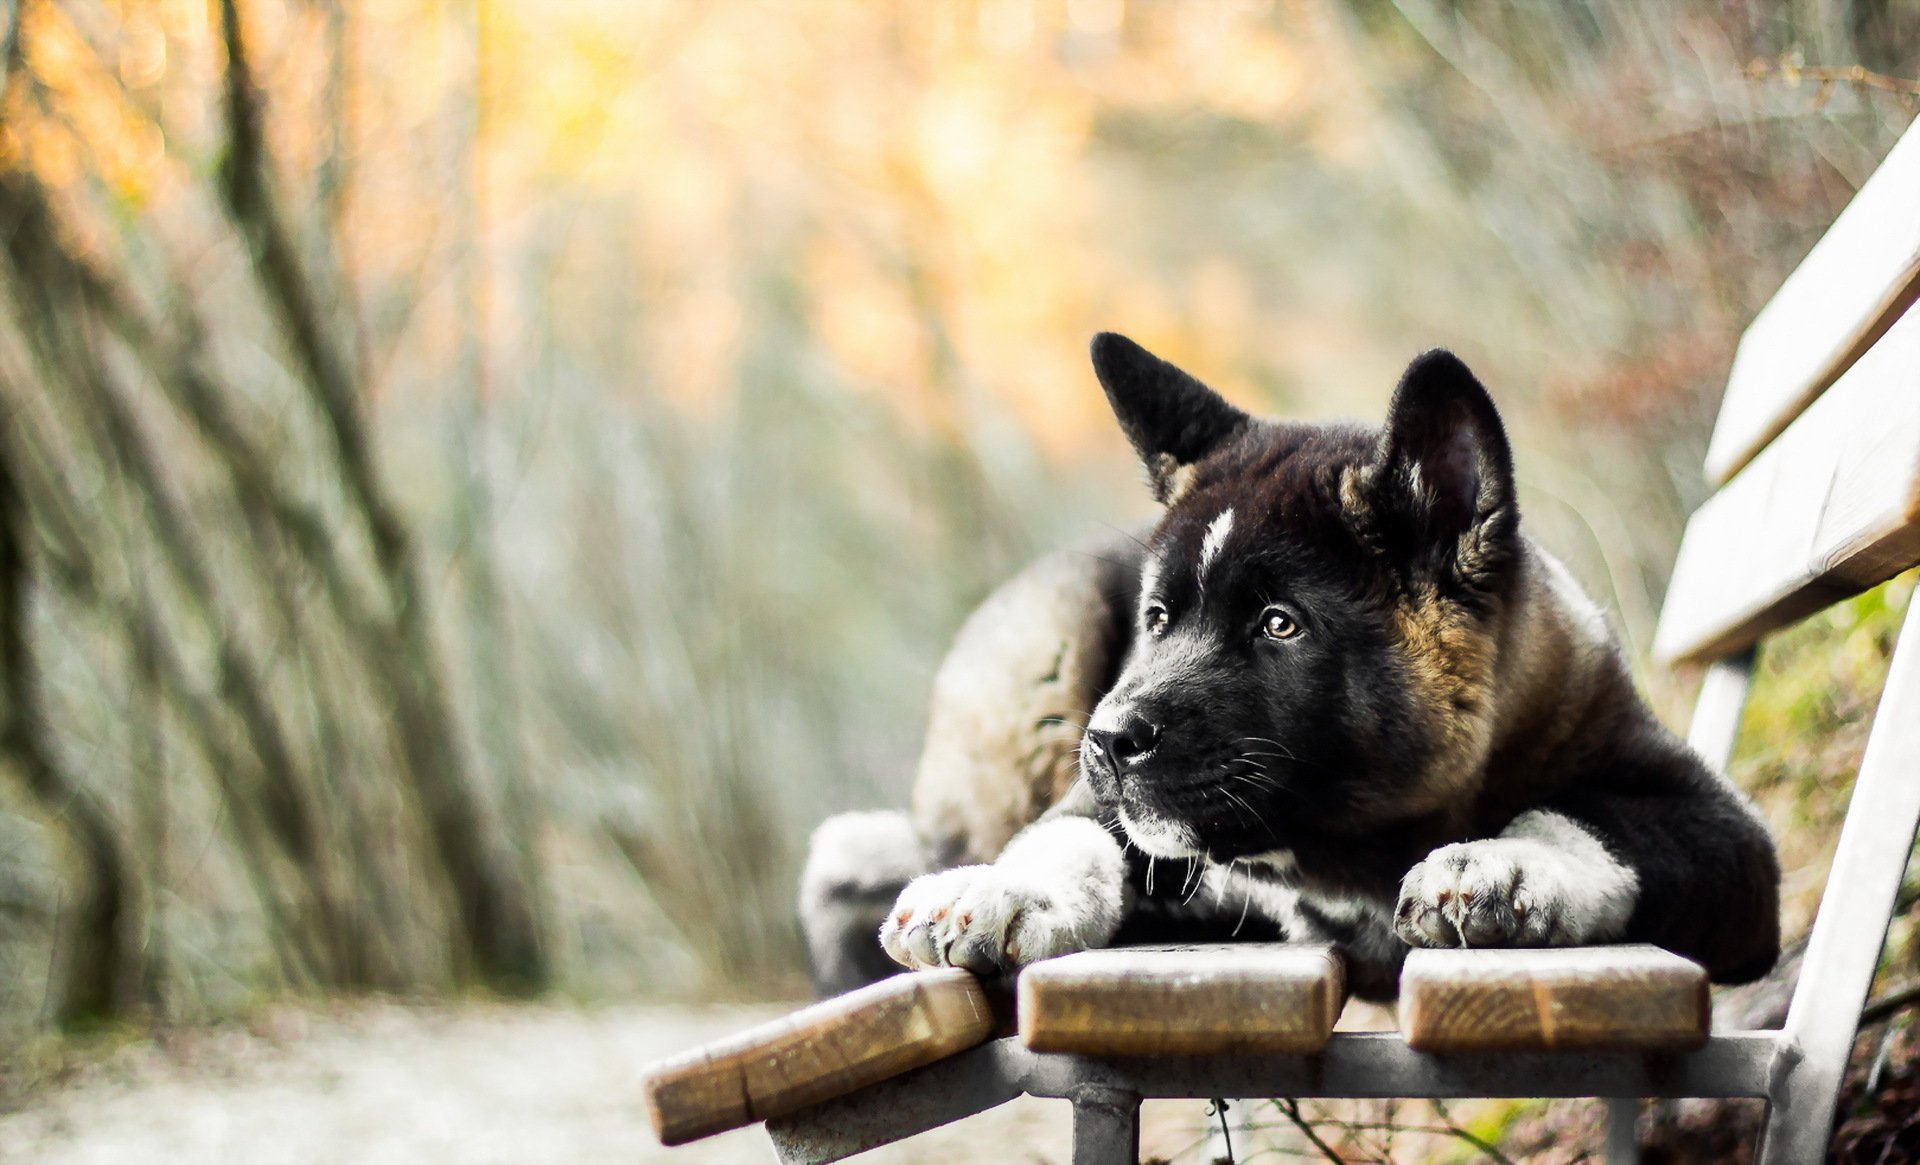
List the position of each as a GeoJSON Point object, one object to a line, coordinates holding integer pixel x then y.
{"type": "Point", "coordinates": [466, 1085]}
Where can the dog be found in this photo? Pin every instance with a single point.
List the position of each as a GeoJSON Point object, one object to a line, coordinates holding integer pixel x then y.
{"type": "Point", "coordinates": [1336, 694]}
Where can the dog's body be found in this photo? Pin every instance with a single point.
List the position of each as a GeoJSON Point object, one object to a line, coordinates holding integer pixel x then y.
{"type": "Point", "coordinates": [1334, 695]}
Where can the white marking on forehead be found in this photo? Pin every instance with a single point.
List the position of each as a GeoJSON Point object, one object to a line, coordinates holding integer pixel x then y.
{"type": "Point", "coordinates": [1217, 531]}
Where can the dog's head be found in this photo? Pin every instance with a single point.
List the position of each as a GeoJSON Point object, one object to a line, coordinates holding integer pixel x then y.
{"type": "Point", "coordinates": [1315, 639]}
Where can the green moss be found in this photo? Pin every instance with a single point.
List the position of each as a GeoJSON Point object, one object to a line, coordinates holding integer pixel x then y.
{"type": "Point", "coordinates": [1815, 689]}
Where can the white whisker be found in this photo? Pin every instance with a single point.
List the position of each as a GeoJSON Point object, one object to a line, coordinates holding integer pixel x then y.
{"type": "Point", "coordinates": [1246, 901]}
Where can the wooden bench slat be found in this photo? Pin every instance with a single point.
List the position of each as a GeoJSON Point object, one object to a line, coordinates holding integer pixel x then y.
{"type": "Point", "coordinates": [1829, 509]}
{"type": "Point", "coordinates": [1183, 1000]}
{"type": "Point", "coordinates": [818, 1053]}
{"type": "Point", "coordinates": [1854, 283]}
{"type": "Point", "coordinates": [1632, 998]}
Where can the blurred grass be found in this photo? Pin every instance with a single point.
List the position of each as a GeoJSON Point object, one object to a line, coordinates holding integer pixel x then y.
{"type": "Point", "coordinates": [708, 663]}
{"type": "Point", "coordinates": [1815, 689]}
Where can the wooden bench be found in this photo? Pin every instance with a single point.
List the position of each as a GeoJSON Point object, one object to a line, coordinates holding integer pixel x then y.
{"type": "Point", "coordinates": [1816, 456]}
{"type": "Point", "coordinates": [820, 1052]}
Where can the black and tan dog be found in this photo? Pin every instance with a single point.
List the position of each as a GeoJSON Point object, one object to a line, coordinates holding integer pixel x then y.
{"type": "Point", "coordinates": [1335, 694]}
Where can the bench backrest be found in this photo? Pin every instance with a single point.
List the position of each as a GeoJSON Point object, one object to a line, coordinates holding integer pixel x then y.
{"type": "Point", "coordinates": [1817, 447]}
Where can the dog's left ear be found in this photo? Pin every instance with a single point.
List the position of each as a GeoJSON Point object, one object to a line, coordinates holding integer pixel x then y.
{"type": "Point", "coordinates": [1172, 419]}
{"type": "Point", "coordinates": [1442, 475]}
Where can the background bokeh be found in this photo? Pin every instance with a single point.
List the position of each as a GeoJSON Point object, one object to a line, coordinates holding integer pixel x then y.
{"type": "Point", "coordinates": [481, 480]}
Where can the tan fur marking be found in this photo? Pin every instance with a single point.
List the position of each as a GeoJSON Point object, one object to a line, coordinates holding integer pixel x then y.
{"type": "Point", "coordinates": [1353, 492]}
{"type": "Point", "coordinates": [1452, 665]}
{"type": "Point", "coordinates": [1558, 665]}
{"type": "Point", "coordinates": [1177, 482]}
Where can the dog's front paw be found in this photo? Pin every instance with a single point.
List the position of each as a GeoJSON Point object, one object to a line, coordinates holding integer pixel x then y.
{"type": "Point", "coordinates": [982, 918]}
{"type": "Point", "coordinates": [1483, 894]}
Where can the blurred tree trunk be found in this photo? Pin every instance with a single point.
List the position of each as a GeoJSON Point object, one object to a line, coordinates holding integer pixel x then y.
{"type": "Point", "coordinates": [498, 908]}
{"type": "Point", "coordinates": [278, 639]}
{"type": "Point", "coordinates": [489, 629]}
{"type": "Point", "coordinates": [101, 969]}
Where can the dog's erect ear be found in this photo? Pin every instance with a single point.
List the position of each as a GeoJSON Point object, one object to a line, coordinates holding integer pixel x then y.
{"type": "Point", "coordinates": [1172, 419]}
{"type": "Point", "coordinates": [1441, 479]}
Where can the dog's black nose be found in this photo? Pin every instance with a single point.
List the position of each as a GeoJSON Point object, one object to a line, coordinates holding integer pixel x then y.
{"type": "Point", "coordinates": [1126, 744]}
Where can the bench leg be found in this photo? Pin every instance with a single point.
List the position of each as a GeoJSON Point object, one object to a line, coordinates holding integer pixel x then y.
{"type": "Point", "coordinates": [1623, 1131]}
{"type": "Point", "coordinates": [1106, 1126]}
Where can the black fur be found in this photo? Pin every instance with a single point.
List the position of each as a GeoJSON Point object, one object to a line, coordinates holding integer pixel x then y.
{"type": "Point", "coordinates": [1171, 418]}
{"type": "Point", "coordinates": [1323, 745]}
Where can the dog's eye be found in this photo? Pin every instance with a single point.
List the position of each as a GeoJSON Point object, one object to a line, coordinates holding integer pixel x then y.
{"type": "Point", "coordinates": [1156, 619]}
{"type": "Point", "coordinates": [1277, 624]}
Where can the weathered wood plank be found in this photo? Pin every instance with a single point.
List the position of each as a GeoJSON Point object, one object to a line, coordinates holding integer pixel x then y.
{"type": "Point", "coordinates": [1856, 281]}
{"type": "Point", "coordinates": [1568, 999]}
{"type": "Point", "coordinates": [1183, 1000]}
{"type": "Point", "coordinates": [817, 1053]}
{"type": "Point", "coordinates": [1831, 508]}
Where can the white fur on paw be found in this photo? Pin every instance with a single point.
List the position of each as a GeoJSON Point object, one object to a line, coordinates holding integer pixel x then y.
{"type": "Point", "coordinates": [1546, 881]}
{"type": "Point", "coordinates": [982, 918]}
{"type": "Point", "coordinates": [1478, 894]}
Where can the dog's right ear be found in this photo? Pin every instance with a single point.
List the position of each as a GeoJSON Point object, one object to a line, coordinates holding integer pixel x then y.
{"type": "Point", "coordinates": [1172, 419]}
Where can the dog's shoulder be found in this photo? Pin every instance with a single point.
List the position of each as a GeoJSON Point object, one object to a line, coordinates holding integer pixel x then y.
{"type": "Point", "coordinates": [1567, 710]}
